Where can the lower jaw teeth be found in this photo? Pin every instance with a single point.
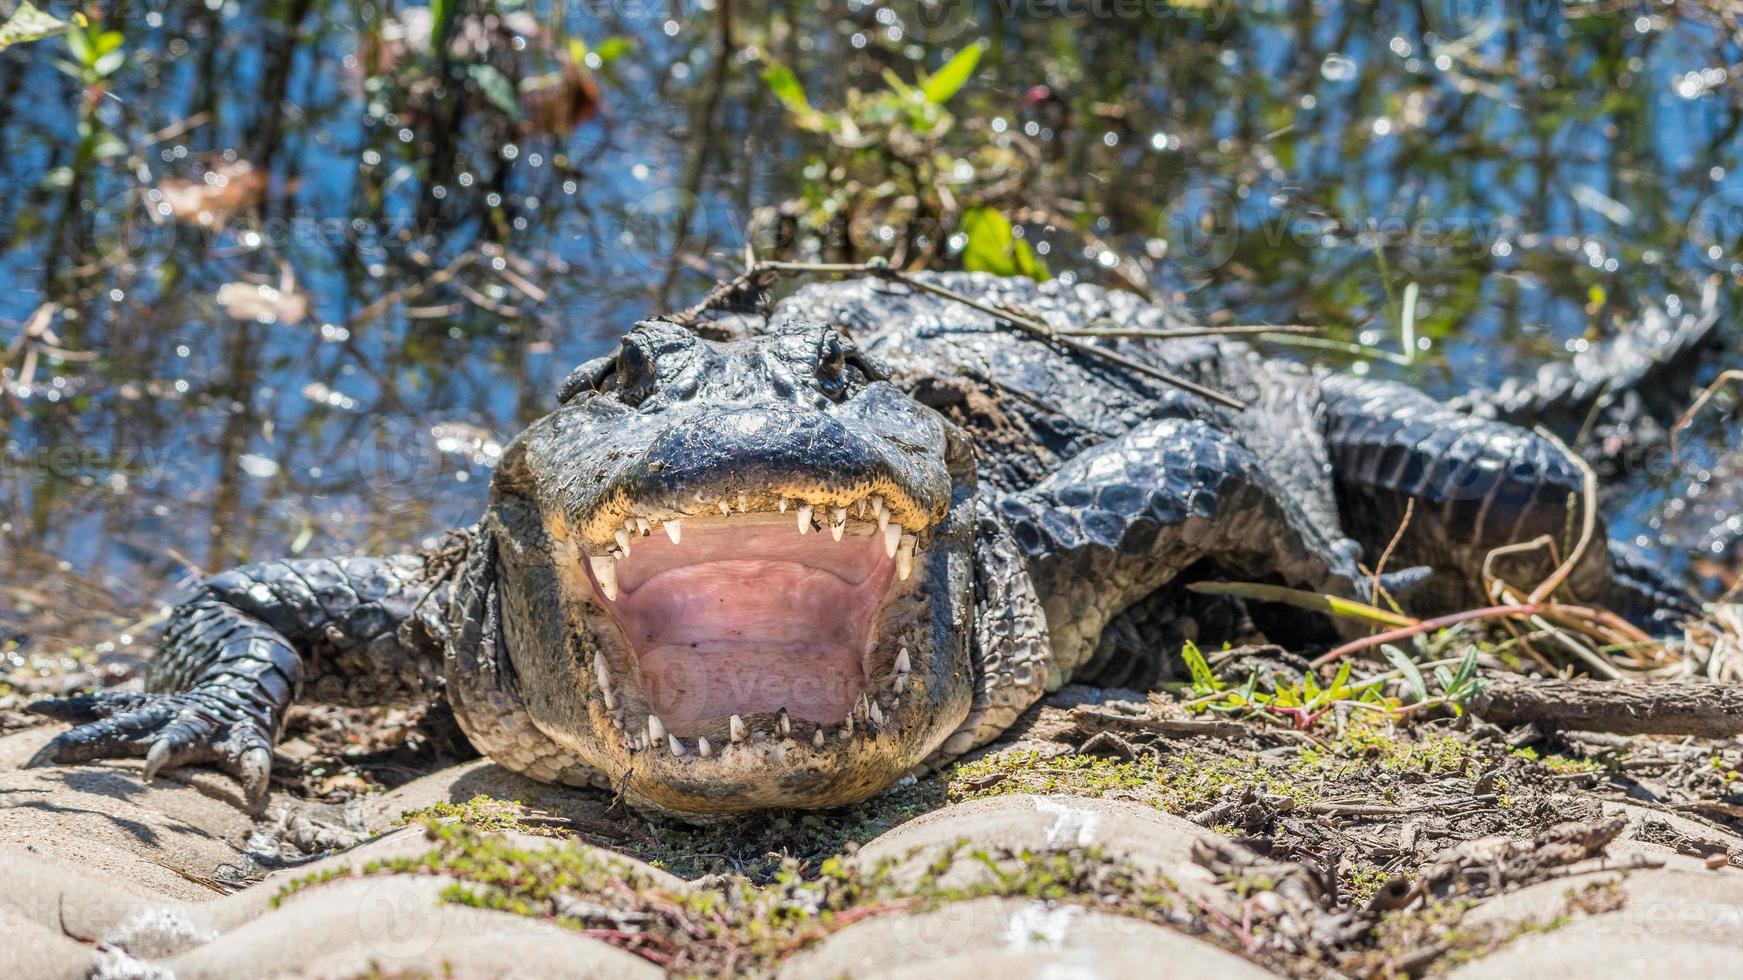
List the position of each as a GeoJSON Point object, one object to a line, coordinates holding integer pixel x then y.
{"type": "Point", "coordinates": [867, 716]}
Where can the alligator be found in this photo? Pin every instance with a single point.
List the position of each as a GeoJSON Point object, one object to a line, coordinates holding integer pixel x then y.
{"type": "Point", "coordinates": [794, 557]}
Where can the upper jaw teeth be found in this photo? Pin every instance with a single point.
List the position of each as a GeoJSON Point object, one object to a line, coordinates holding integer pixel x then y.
{"type": "Point", "coordinates": [900, 544]}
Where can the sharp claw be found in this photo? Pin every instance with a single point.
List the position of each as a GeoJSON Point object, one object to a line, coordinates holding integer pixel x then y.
{"type": "Point", "coordinates": [44, 756]}
{"type": "Point", "coordinates": [156, 759]}
{"type": "Point", "coordinates": [252, 768]}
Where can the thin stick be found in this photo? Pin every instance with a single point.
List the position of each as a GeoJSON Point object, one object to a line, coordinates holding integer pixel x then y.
{"type": "Point", "coordinates": [1176, 333]}
{"type": "Point", "coordinates": [1588, 521]}
{"type": "Point", "coordinates": [1043, 331]}
{"type": "Point", "coordinates": [1682, 422]}
{"type": "Point", "coordinates": [762, 273]}
{"type": "Point", "coordinates": [1397, 536]}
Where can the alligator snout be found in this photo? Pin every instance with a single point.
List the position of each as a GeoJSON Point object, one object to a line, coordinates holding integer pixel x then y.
{"type": "Point", "coordinates": [756, 558]}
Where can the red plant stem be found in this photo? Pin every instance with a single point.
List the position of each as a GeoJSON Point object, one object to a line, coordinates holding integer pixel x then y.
{"type": "Point", "coordinates": [1442, 622]}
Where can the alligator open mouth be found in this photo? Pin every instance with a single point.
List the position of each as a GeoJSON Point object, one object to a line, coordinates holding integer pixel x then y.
{"type": "Point", "coordinates": [753, 625]}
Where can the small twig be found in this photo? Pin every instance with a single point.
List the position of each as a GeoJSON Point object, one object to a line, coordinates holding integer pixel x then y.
{"type": "Point", "coordinates": [1706, 395]}
{"type": "Point", "coordinates": [1588, 520]}
{"type": "Point", "coordinates": [177, 128]}
{"type": "Point", "coordinates": [1179, 333]}
{"type": "Point", "coordinates": [1391, 546]}
{"type": "Point", "coordinates": [1441, 622]}
{"type": "Point", "coordinates": [1378, 810]}
{"type": "Point", "coordinates": [416, 289]}
{"type": "Point", "coordinates": [1093, 721]}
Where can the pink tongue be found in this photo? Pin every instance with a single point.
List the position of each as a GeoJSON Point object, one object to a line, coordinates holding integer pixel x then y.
{"type": "Point", "coordinates": [747, 636]}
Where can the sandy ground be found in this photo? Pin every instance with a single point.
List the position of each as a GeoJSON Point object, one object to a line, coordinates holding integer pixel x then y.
{"type": "Point", "coordinates": [106, 875]}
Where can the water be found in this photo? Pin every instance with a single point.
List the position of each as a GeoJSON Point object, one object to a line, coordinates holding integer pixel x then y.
{"type": "Point", "coordinates": [390, 279]}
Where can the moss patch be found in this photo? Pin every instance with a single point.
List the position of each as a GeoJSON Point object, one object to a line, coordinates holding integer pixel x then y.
{"type": "Point", "coordinates": [487, 813]}
{"type": "Point", "coordinates": [734, 925]}
{"type": "Point", "coordinates": [1365, 758]}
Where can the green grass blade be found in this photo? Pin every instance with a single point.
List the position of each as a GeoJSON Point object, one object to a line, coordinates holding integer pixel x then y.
{"type": "Point", "coordinates": [1317, 601]}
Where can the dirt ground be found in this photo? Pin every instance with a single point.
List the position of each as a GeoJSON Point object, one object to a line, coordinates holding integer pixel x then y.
{"type": "Point", "coordinates": [1107, 829]}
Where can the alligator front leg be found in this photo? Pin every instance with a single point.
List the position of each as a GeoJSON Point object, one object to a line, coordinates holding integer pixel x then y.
{"type": "Point", "coordinates": [1126, 517]}
{"type": "Point", "coordinates": [233, 658]}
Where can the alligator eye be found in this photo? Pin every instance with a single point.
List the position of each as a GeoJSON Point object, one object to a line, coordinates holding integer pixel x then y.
{"type": "Point", "coordinates": [635, 374]}
{"type": "Point", "coordinates": [832, 358]}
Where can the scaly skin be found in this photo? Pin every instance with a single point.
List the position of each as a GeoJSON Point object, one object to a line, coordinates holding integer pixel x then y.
{"type": "Point", "coordinates": [1049, 506]}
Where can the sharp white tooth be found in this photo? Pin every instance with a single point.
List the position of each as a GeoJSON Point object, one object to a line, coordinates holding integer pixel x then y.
{"type": "Point", "coordinates": [877, 505]}
{"type": "Point", "coordinates": [877, 714]}
{"type": "Point", "coordinates": [604, 677]}
{"type": "Point", "coordinates": [656, 730]}
{"type": "Point", "coordinates": [905, 558]}
{"type": "Point", "coordinates": [804, 518]}
{"type": "Point", "coordinates": [641, 526]}
{"type": "Point", "coordinates": [743, 505]}
{"type": "Point", "coordinates": [903, 662]}
{"type": "Point", "coordinates": [622, 540]}
{"type": "Point", "coordinates": [676, 746]}
{"type": "Point", "coordinates": [892, 537]}
{"type": "Point", "coordinates": [725, 509]}
{"type": "Point", "coordinates": [605, 572]}
{"type": "Point", "coordinates": [838, 523]}
{"type": "Point", "coordinates": [674, 530]}
{"type": "Point", "coordinates": [703, 749]}
{"type": "Point", "coordinates": [859, 508]}
{"type": "Point", "coordinates": [735, 724]}
{"type": "Point", "coordinates": [901, 684]}
{"type": "Point", "coordinates": [817, 739]}
{"type": "Point", "coordinates": [862, 709]}
{"type": "Point", "coordinates": [783, 504]}
{"type": "Point", "coordinates": [629, 524]}
{"type": "Point", "coordinates": [847, 728]}
{"type": "Point", "coordinates": [783, 723]}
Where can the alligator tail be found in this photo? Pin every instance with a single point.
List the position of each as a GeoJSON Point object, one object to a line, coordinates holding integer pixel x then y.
{"type": "Point", "coordinates": [1564, 394]}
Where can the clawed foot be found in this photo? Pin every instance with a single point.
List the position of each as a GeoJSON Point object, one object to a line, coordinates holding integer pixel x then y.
{"type": "Point", "coordinates": [169, 730]}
